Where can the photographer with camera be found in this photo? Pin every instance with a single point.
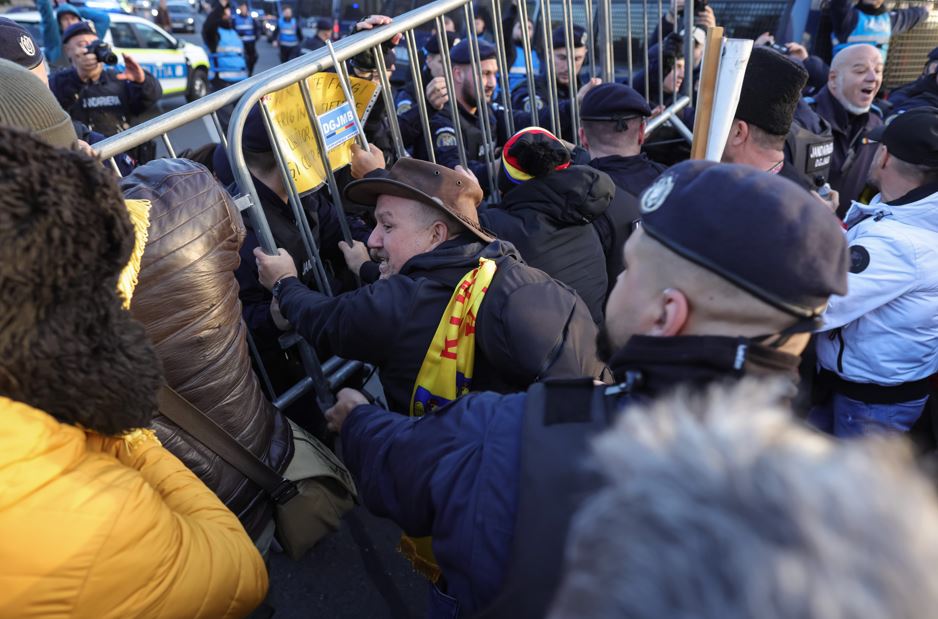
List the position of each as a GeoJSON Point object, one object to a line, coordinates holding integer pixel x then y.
{"type": "Point", "coordinates": [99, 96]}
{"type": "Point", "coordinates": [673, 20]}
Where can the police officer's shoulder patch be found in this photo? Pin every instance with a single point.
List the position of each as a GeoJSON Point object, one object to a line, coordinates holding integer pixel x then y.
{"type": "Point", "coordinates": [655, 195]}
{"type": "Point", "coordinates": [445, 137]}
{"type": "Point", "coordinates": [404, 106]}
{"type": "Point", "coordinates": [859, 258]}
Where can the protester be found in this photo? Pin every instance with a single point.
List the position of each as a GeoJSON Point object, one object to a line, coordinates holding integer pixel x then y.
{"type": "Point", "coordinates": [564, 81]}
{"type": "Point", "coordinates": [246, 26]}
{"type": "Point", "coordinates": [100, 97]}
{"type": "Point", "coordinates": [770, 93]}
{"type": "Point", "coordinates": [880, 341]}
{"type": "Point", "coordinates": [612, 130]}
{"type": "Point", "coordinates": [289, 34]}
{"type": "Point", "coordinates": [98, 518]}
{"type": "Point", "coordinates": [868, 22]}
{"type": "Point", "coordinates": [846, 104]}
{"type": "Point", "coordinates": [672, 71]}
{"type": "Point", "coordinates": [546, 210]}
{"type": "Point", "coordinates": [724, 493]}
{"type": "Point", "coordinates": [710, 294]}
{"type": "Point", "coordinates": [529, 327]}
{"type": "Point", "coordinates": [54, 22]}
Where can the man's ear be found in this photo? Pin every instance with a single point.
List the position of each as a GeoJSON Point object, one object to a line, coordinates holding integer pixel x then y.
{"type": "Point", "coordinates": [673, 314]}
{"type": "Point", "coordinates": [439, 233]}
{"type": "Point", "coordinates": [739, 132]}
{"type": "Point", "coordinates": [583, 141]}
{"type": "Point", "coordinates": [831, 77]}
{"type": "Point", "coordinates": [641, 132]}
{"type": "Point", "coordinates": [457, 74]}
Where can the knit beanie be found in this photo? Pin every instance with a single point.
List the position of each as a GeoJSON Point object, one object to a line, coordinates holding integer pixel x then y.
{"type": "Point", "coordinates": [27, 103]}
{"type": "Point", "coordinates": [531, 153]}
{"type": "Point", "coordinates": [771, 90]}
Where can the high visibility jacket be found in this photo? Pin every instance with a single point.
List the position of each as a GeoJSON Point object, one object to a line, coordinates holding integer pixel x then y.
{"type": "Point", "coordinates": [873, 30]}
{"type": "Point", "coordinates": [106, 527]}
{"type": "Point", "coordinates": [230, 65]}
{"type": "Point", "coordinates": [288, 32]}
{"type": "Point", "coordinates": [246, 28]}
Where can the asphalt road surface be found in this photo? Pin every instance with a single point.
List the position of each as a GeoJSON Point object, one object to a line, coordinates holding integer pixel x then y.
{"type": "Point", "coordinates": [356, 572]}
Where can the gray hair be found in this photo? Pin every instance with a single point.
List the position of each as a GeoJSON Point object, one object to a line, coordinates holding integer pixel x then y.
{"type": "Point", "coordinates": [721, 506]}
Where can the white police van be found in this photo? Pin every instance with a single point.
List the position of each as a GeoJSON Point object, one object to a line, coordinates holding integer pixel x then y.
{"type": "Point", "coordinates": [181, 67]}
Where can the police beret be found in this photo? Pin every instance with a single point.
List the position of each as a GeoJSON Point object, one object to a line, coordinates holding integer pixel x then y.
{"type": "Point", "coordinates": [560, 39]}
{"type": "Point", "coordinates": [613, 101]}
{"type": "Point", "coordinates": [82, 27]}
{"type": "Point", "coordinates": [460, 53]}
{"type": "Point", "coordinates": [759, 231]}
{"type": "Point", "coordinates": [911, 136]}
{"type": "Point", "coordinates": [323, 24]}
{"type": "Point", "coordinates": [18, 45]}
{"type": "Point", "coordinates": [433, 43]}
{"type": "Point", "coordinates": [771, 89]}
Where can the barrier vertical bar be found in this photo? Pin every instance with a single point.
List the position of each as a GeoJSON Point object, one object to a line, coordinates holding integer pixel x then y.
{"type": "Point", "coordinates": [420, 94]}
{"type": "Point", "coordinates": [347, 91]}
{"type": "Point", "coordinates": [572, 73]}
{"type": "Point", "coordinates": [688, 48]}
{"type": "Point", "coordinates": [591, 50]}
{"type": "Point", "coordinates": [645, 45]}
{"type": "Point", "coordinates": [169, 146]}
{"type": "Point", "coordinates": [115, 168]}
{"type": "Point", "coordinates": [550, 77]}
{"type": "Point", "coordinates": [660, 59]}
{"type": "Point", "coordinates": [451, 92]}
{"type": "Point", "coordinates": [529, 65]}
{"type": "Point", "coordinates": [503, 67]}
{"type": "Point", "coordinates": [389, 103]}
{"type": "Point", "coordinates": [628, 37]}
{"type": "Point", "coordinates": [605, 9]}
{"type": "Point", "coordinates": [326, 164]}
{"type": "Point", "coordinates": [482, 109]}
{"type": "Point", "coordinates": [299, 214]}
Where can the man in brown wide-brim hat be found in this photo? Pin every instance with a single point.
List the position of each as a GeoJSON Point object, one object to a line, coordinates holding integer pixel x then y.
{"type": "Point", "coordinates": [427, 241]}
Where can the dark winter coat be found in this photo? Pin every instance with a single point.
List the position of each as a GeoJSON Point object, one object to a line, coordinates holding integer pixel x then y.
{"type": "Point", "coordinates": [187, 298]}
{"type": "Point", "coordinates": [923, 92]}
{"type": "Point", "coordinates": [457, 473]}
{"type": "Point", "coordinates": [529, 327]}
{"type": "Point", "coordinates": [108, 104]}
{"type": "Point", "coordinates": [549, 219]}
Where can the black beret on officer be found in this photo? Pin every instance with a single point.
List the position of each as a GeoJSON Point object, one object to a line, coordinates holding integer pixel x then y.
{"type": "Point", "coordinates": [614, 102]}
{"type": "Point", "coordinates": [560, 38]}
{"type": "Point", "coordinates": [461, 53]}
{"type": "Point", "coordinates": [433, 43]}
{"type": "Point", "coordinates": [771, 90]}
{"type": "Point", "coordinates": [18, 45]}
{"type": "Point", "coordinates": [911, 136]}
{"type": "Point", "coordinates": [741, 223]}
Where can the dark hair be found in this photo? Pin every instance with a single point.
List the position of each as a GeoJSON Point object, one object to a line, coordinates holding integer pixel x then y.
{"type": "Point", "coordinates": [67, 346]}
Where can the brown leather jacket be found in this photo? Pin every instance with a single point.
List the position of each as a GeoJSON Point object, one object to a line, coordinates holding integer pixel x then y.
{"type": "Point", "coordinates": [187, 298]}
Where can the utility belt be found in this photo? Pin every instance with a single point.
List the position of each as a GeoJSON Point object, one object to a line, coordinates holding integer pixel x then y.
{"type": "Point", "coordinates": [874, 394]}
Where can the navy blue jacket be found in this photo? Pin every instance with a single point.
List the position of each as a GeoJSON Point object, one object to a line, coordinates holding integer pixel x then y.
{"type": "Point", "coordinates": [454, 474]}
{"type": "Point", "coordinates": [920, 93]}
{"type": "Point", "coordinates": [107, 104]}
{"type": "Point", "coordinates": [845, 14]}
{"type": "Point", "coordinates": [529, 326]}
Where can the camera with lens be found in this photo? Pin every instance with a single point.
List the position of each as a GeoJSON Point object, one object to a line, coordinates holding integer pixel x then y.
{"type": "Point", "coordinates": [102, 52]}
{"type": "Point", "coordinates": [781, 49]}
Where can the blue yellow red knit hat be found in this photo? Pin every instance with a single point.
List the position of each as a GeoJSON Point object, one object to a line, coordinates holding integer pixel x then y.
{"type": "Point", "coordinates": [531, 153]}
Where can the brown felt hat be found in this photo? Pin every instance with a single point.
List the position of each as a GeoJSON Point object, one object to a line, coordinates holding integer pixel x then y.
{"type": "Point", "coordinates": [427, 183]}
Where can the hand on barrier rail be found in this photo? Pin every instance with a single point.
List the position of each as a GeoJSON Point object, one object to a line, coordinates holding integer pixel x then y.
{"type": "Point", "coordinates": [133, 72]}
{"type": "Point", "coordinates": [279, 321]}
{"type": "Point", "coordinates": [436, 93]}
{"type": "Point", "coordinates": [345, 401]}
{"type": "Point", "coordinates": [585, 88]}
{"type": "Point", "coordinates": [271, 269]}
{"type": "Point", "coordinates": [373, 21]}
{"type": "Point", "coordinates": [355, 255]}
{"type": "Point", "coordinates": [364, 161]}
{"type": "Point", "coordinates": [84, 147]}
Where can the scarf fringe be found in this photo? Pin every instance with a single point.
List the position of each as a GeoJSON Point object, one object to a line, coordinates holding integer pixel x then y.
{"type": "Point", "coordinates": [139, 211]}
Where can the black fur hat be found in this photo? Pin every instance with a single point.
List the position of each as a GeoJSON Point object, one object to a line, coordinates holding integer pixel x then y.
{"type": "Point", "coordinates": [771, 89]}
{"type": "Point", "coordinates": [67, 346]}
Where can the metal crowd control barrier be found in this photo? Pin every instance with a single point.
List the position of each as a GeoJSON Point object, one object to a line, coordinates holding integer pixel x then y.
{"type": "Point", "coordinates": [324, 377]}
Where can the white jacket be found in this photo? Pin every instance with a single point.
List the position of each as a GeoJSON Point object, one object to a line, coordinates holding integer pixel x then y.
{"type": "Point", "coordinates": [888, 321]}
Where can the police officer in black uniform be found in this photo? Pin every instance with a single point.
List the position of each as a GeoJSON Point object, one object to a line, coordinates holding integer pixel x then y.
{"type": "Point", "coordinates": [711, 293]}
{"type": "Point", "coordinates": [521, 98]}
{"type": "Point", "coordinates": [99, 96]}
{"type": "Point", "coordinates": [612, 130]}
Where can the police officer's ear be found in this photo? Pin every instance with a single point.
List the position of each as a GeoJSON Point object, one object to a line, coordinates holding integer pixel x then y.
{"type": "Point", "coordinates": [584, 142]}
{"type": "Point", "coordinates": [641, 132]}
{"type": "Point", "coordinates": [673, 314]}
{"type": "Point", "coordinates": [739, 133]}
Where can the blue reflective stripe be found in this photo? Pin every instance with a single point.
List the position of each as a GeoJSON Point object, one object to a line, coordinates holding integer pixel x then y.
{"type": "Point", "coordinates": [873, 30]}
{"type": "Point", "coordinates": [245, 28]}
{"type": "Point", "coordinates": [287, 32]}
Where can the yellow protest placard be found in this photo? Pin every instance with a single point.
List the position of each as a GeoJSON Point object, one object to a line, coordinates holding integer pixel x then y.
{"type": "Point", "coordinates": [294, 134]}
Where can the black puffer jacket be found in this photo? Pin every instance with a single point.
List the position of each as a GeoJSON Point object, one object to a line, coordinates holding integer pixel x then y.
{"type": "Point", "coordinates": [187, 298]}
{"type": "Point", "coordinates": [529, 327]}
{"type": "Point", "coordinates": [549, 219]}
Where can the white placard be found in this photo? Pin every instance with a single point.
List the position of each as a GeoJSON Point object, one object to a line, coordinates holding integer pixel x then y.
{"type": "Point", "coordinates": [734, 56]}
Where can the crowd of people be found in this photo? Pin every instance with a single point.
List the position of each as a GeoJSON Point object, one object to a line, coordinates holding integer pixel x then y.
{"type": "Point", "coordinates": [612, 380]}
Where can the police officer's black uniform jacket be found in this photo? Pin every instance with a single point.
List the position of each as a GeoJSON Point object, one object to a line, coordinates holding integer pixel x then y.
{"type": "Point", "coordinates": [631, 176]}
{"type": "Point", "coordinates": [548, 220]}
{"type": "Point", "coordinates": [529, 325]}
{"type": "Point", "coordinates": [521, 100]}
{"type": "Point", "coordinates": [107, 104]}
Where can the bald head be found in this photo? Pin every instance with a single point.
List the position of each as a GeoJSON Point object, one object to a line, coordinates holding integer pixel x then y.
{"type": "Point", "coordinates": [855, 77]}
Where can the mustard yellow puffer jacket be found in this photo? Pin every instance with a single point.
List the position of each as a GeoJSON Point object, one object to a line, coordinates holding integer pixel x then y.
{"type": "Point", "coordinates": [104, 527]}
